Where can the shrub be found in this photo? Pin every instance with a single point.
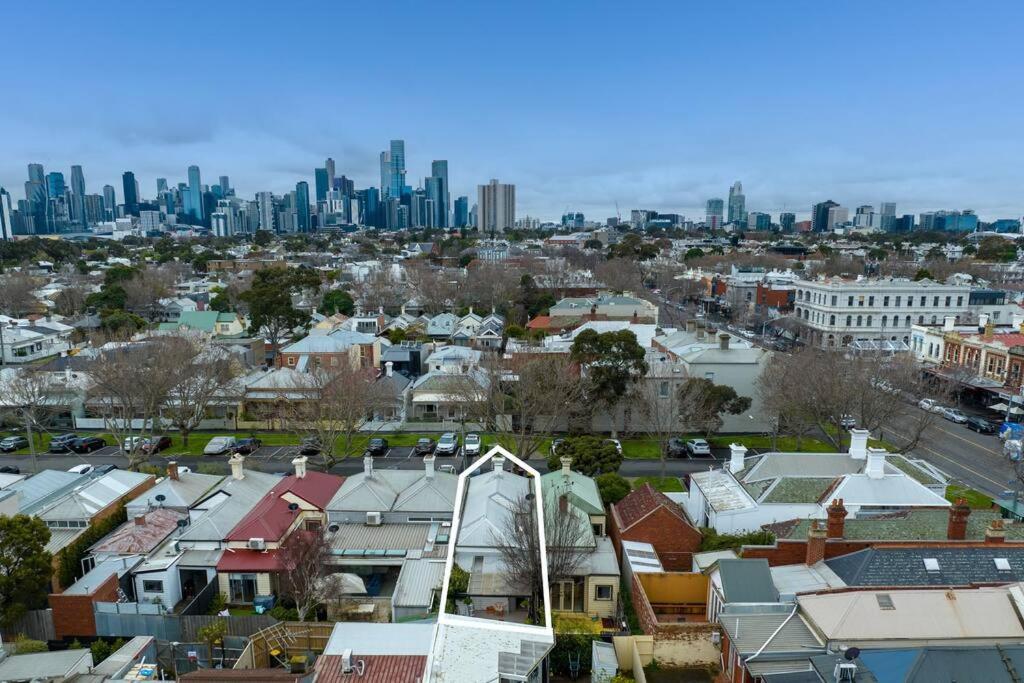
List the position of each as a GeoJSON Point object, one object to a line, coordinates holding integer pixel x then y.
{"type": "Point", "coordinates": [712, 540]}
{"type": "Point", "coordinates": [613, 487]}
{"type": "Point", "coordinates": [590, 455]}
{"type": "Point", "coordinates": [23, 645]}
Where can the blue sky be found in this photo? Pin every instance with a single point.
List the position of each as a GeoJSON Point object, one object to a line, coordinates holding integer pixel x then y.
{"type": "Point", "coordinates": [580, 104]}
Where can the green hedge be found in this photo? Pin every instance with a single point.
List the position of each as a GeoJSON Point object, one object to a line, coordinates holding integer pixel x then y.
{"type": "Point", "coordinates": [71, 557]}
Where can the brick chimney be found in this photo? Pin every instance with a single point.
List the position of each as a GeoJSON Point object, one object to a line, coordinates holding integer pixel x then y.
{"type": "Point", "coordinates": [172, 470]}
{"type": "Point", "coordinates": [836, 519]}
{"type": "Point", "coordinates": [995, 533]}
{"type": "Point", "coordinates": [140, 520]}
{"type": "Point", "coordinates": [563, 503]}
{"type": "Point", "coordinates": [815, 544]}
{"type": "Point", "coordinates": [956, 529]}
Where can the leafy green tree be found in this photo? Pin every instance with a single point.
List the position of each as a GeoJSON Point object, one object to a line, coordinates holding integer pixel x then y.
{"type": "Point", "coordinates": [613, 362]}
{"type": "Point", "coordinates": [25, 566]}
{"type": "Point", "coordinates": [613, 487]}
{"type": "Point", "coordinates": [116, 322]}
{"type": "Point", "coordinates": [271, 311]}
{"type": "Point", "coordinates": [590, 455]}
{"type": "Point", "coordinates": [337, 301]}
{"type": "Point", "coordinates": [702, 404]}
{"type": "Point", "coordinates": [922, 274]}
{"type": "Point", "coordinates": [693, 253]}
{"type": "Point", "coordinates": [263, 238]}
{"type": "Point", "coordinates": [213, 634]}
{"type": "Point", "coordinates": [100, 650]}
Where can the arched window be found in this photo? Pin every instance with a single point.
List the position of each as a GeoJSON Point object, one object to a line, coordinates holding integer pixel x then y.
{"type": "Point", "coordinates": [849, 321]}
{"type": "Point", "coordinates": [885, 320]}
{"type": "Point", "coordinates": [908, 321]}
{"type": "Point", "coordinates": [859, 320]}
{"type": "Point", "coordinates": [920, 320]}
{"type": "Point", "coordinates": [869, 321]}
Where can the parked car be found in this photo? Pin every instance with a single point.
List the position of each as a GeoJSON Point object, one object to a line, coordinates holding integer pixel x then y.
{"type": "Point", "coordinates": [247, 446]}
{"type": "Point", "coordinates": [976, 424]}
{"type": "Point", "coordinates": [132, 444]}
{"type": "Point", "coordinates": [930, 405]}
{"type": "Point", "coordinates": [423, 447]}
{"type": "Point", "coordinates": [310, 446]}
{"type": "Point", "coordinates": [677, 448]}
{"type": "Point", "coordinates": [219, 445]}
{"type": "Point", "coordinates": [378, 446]}
{"type": "Point", "coordinates": [13, 443]}
{"type": "Point", "coordinates": [448, 444]}
{"type": "Point", "coordinates": [616, 443]}
{"type": "Point", "coordinates": [954, 415]}
{"type": "Point", "coordinates": [450, 469]}
{"type": "Point", "coordinates": [62, 443]}
{"type": "Point", "coordinates": [472, 444]}
{"type": "Point", "coordinates": [698, 448]}
{"type": "Point", "coordinates": [103, 469]}
{"type": "Point", "coordinates": [88, 444]}
{"type": "Point", "coordinates": [84, 468]}
{"type": "Point", "coordinates": [555, 444]}
{"type": "Point", "coordinates": [847, 421]}
{"type": "Point", "coordinates": [161, 443]}
{"type": "Point", "coordinates": [9, 469]}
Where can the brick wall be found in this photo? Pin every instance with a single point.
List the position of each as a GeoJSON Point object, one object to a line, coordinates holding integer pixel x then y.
{"type": "Point", "coordinates": [673, 540]}
{"type": "Point", "coordinates": [73, 614]}
{"type": "Point", "coordinates": [644, 612]}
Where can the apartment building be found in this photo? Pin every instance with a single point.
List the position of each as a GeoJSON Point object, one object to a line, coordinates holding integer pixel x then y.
{"type": "Point", "coordinates": [840, 313]}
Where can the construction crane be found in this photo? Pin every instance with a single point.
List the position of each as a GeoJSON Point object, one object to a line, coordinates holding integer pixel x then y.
{"type": "Point", "coordinates": [618, 215]}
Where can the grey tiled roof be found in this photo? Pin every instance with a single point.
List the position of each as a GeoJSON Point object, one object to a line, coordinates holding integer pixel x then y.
{"type": "Point", "coordinates": [747, 581]}
{"type": "Point", "coordinates": [906, 566]}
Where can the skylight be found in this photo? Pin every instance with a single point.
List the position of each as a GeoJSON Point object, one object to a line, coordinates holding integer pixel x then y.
{"type": "Point", "coordinates": [1002, 564]}
{"type": "Point", "coordinates": [931, 564]}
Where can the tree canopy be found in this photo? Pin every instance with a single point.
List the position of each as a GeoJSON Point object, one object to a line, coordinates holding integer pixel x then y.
{"type": "Point", "coordinates": [590, 455]}
{"type": "Point", "coordinates": [25, 566]}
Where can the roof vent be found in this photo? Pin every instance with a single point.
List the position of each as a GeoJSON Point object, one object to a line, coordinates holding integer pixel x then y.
{"type": "Point", "coordinates": [884, 601]}
{"type": "Point", "coordinates": [1002, 564]}
{"type": "Point", "coordinates": [931, 564]}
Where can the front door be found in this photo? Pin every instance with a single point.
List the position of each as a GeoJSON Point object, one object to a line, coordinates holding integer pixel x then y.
{"type": "Point", "coordinates": [566, 592]}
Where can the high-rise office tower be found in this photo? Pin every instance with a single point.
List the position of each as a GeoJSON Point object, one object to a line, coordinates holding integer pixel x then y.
{"type": "Point", "coordinates": [302, 222]}
{"type": "Point", "coordinates": [837, 215]}
{"type": "Point", "coordinates": [131, 197]}
{"type": "Point", "coordinates": [714, 210]}
{"type": "Point", "coordinates": [442, 202]}
{"type": "Point", "coordinates": [757, 220]}
{"type": "Point", "coordinates": [786, 221]}
{"type": "Point", "coordinates": [432, 186]}
{"type": "Point", "coordinates": [460, 218]}
{"type": "Point", "coordinates": [109, 203]}
{"type": "Point", "coordinates": [369, 207]}
{"type": "Point", "coordinates": [329, 165]}
{"type": "Point", "coordinates": [737, 203]}
{"type": "Point", "coordinates": [94, 212]}
{"type": "Point", "coordinates": [194, 205]}
{"type": "Point", "coordinates": [225, 186]}
{"type": "Point", "coordinates": [265, 200]}
{"type": "Point", "coordinates": [322, 184]}
{"type": "Point", "coordinates": [396, 184]}
{"type": "Point", "coordinates": [36, 173]}
{"type": "Point", "coordinates": [161, 186]}
{"type": "Point", "coordinates": [385, 175]}
{"type": "Point", "coordinates": [888, 216]}
{"type": "Point", "coordinates": [346, 186]}
{"type": "Point", "coordinates": [819, 215]}
{"type": "Point", "coordinates": [78, 197]}
{"type": "Point", "coordinates": [497, 207]}
{"type": "Point", "coordinates": [55, 184]}
{"type": "Point", "coordinates": [6, 230]}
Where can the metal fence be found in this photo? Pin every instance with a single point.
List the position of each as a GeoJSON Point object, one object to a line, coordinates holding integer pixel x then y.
{"type": "Point", "coordinates": [125, 619]}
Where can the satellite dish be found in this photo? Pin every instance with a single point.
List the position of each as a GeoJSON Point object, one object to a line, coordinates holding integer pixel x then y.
{"type": "Point", "coordinates": [161, 498]}
{"type": "Point", "coordinates": [333, 528]}
{"type": "Point", "coordinates": [852, 653]}
{"type": "Point", "coordinates": [293, 506]}
{"type": "Point", "coordinates": [182, 523]}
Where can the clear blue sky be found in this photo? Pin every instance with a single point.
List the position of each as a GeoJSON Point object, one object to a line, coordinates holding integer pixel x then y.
{"type": "Point", "coordinates": [580, 104]}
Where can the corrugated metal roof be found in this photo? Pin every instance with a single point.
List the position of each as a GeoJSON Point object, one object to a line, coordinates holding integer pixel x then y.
{"type": "Point", "coordinates": [62, 538]}
{"type": "Point", "coordinates": [85, 502]}
{"type": "Point", "coordinates": [37, 489]}
{"type": "Point", "coordinates": [747, 580]}
{"type": "Point", "coordinates": [380, 639]}
{"type": "Point", "coordinates": [722, 491]}
{"type": "Point", "coordinates": [375, 669]}
{"type": "Point", "coordinates": [417, 582]}
{"type": "Point", "coordinates": [44, 665]}
{"type": "Point", "coordinates": [748, 632]}
{"type": "Point", "coordinates": [383, 537]}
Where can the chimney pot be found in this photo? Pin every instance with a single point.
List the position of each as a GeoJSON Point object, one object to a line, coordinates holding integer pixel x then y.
{"type": "Point", "coordinates": [996, 532]}
{"type": "Point", "coordinates": [368, 466]}
{"type": "Point", "coordinates": [237, 463]}
{"type": "Point", "coordinates": [723, 342]}
{"type": "Point", "coordinates": [499, 463]}
{"type": "Point", "coordinates": [815, 544]}
{"type": "Point", "coordinates": [876, 463]}
{"type": "Point", "coordinates": [389, 368]}
{"type": "Point", "coordinates": [859, 443]}
{"type": "Point", "coordinates": [172, 470]}
{"type": "Point", "coordinates": [566, 464]}
{"type": "Point", "coordinates": [737, 456]}
{"type": "Point", "coordinates": [299, 464]}
{"type": "Point", "coordinates": [140, 520]}
{"type": "Point", "coordinates": [836, 519]}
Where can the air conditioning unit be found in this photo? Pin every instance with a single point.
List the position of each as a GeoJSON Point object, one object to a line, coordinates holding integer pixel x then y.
{"type": "Point", "coordinates": [373, 519]}
{"type": "Point", "coordinates": [346, 661]}
{"type": "Point", "coordinates": [257, 544]}
{"type": "Point", "coordinates": [716, 638]}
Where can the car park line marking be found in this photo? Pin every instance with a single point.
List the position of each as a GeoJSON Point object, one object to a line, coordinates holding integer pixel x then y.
{"type": "Point", "coordinates": [999, 486]}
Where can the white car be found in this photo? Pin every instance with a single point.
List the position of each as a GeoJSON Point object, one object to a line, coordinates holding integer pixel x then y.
{"type": "Point", "coordinates": [472, 444]}
{"type": "Point", "coordinates": [219, 445]}
{"type": "Point", "coordinates": [954, 415]}
{"type": "Point", "coordinates": [448, 444]}
{"type": "Point", "coordinates": [697, 447]}
{"type": "Point", "coordinates": [84, 468]}
{"type": "Point", "coordinates": [930, 405]}
{"type": "Point", "coordinates": [132, 444]}
{"type": "Point", "coordinates": [616, 443]}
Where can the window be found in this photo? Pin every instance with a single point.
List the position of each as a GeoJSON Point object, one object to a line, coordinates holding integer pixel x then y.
{"type": "Point", "coordinates": [850, 301]}
{"type": "Point", "coordinates": [885, 319]}
{"type": "Point", "coordinates": [949, 301]}
{"type": "Point", "coordinates": [885, 301]}
{"type": "Point", "coordinates": [935, 301]}
{"type": "Point", "coordinates": [898, 300]}
{"type": "Point", "coordinates": [831, 320]}
{"type": "Point", "coordinates": [849, 320]}
{"type": "Point", "coordinates": [869, 321]}
{"type": "Point", "coordinates": [935, 319]}
{"type": "Point", "coordinates": [860, 301]}
{"type": "Point", "coordinates": [291, 360]}
{"type": "Point", "coordinates": [710, 376]}
{"type": "Point", "coordinates": [860, 320]}
{"type": "Point", "coordinates": [602, 592]}
{"type": "Point", "coordinates": [920, 320]}
{"type": "Point", "coordinates": [835, 299]}
{"type": "Point", "coordinates": [908, 321]}
{"type": "Point", "coordinates": [242, 588]}
{"type": "Point", "coordinates": [152, 586]}
{"type": "Point", "coordinates": [959, 301]}
{"type": "Point", "coordinates": [663, 390]}
{"type": "Point", "coordinates": [871, 301]}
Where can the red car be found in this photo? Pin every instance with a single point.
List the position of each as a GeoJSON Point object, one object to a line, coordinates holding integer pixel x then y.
{"type": "Point", "coordinates": [150, 446]}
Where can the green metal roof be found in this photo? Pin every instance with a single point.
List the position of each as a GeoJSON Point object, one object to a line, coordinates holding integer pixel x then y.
{"type": "Point", "coordinates": [582, 490]}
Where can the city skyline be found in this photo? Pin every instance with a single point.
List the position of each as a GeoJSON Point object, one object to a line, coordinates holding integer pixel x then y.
{"type": "Point", "coordinates": [880, 115]}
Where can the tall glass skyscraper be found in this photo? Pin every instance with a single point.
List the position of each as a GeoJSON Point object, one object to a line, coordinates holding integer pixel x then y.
{"type": "Point", "coordinates": [322, 184]}
{"type": "Point", "coordinates": [109, 202]}
{"type": "Point", "coordinates": [461, 217]}
{"type": "Point", "coordinates": [194, 206]}
{"type": "Point", "coordinates": [55, 184]}
{"type": "Point", "coordinates": [442, 202]}
{"type": "Point", "coordinates": [737, 203]}
{"type": "Point", "coordinates": [396, 184]}
{"type": "Point", "coordinates": [78, 213]}
{"type": "Point", "coordinates": [713, 213]}
{"type": "Point", "coordinates": [302, 223]}
{"type": "Point", "coordinates": [131, 197]}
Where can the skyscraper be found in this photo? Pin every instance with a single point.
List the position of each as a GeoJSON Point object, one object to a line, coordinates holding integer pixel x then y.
{"type": "Point", "coordinates": [329, 165]}
{"type": "Point", "coordinates": [131, 197]}
{"type": "Point", "coordinates": [385, 175]}
{"type": "Point", "coordinates": [497, 207]}
{"type": "Point", "coordinates": [396, 184]}
{"type": "Point", "coordinates": [161, 186]}
{"type": "Point", "coordinates": [35, 173]}
{"type": "Point", "coordinates": [714, 210]}
{"type": "Point", "coordinates": [78, 213]}
{"type": "Point", "coordinates": [737, 204]}
{"type": "Point", "coordinates": [6, 231]}
{"type": "Point", "coordinates": [109, 202]}
{"type": "Point", "coordinates": [225, 186]}
{"type": "Point", "coordinates": [461, 213]}
{"type": "Point", "coordinates": [35, 199]}
{"type": "Point", "coordinates": [786, 221]}
{"type": "Point", "coordinates": [302, 223]}
{"type": "Point", "coordinates": [55, 184]}
{"type": "Point", "coordinates": [442, 202]}
{"type": "Point", "coordinates": [819, 215]}
{"type": "Point", "coordinates": [265, 200]}
{"type": "Point", "coordinates": [322, 184]}
{"type": "Point", "coordinates": [194, 205]}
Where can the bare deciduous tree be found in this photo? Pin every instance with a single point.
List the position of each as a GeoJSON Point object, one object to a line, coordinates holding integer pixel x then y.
{"type": "Point", "coordinates": [566, 533]}
{"type": "Point", "coordinates": [205, 373]}
{"type": "Point", "coordinates": [144, 291]}
{"type": "Point", "coordinates": [32, 396]}
{"type": "Point", "coordinates": [302, 557]}
{"type": "Point", "coordinates": [658, 403]}
{"type": "Point", "coordinates": [16, 298]}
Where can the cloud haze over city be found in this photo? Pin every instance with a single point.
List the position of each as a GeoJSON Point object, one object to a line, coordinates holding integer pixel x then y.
{"type": "Point", "coordinates": [581, 105]}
